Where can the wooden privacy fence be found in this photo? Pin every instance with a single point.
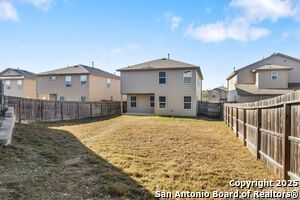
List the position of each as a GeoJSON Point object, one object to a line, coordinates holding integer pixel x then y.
{"type": "Point", "coordinates": [271, 130]}
{"type": "Point", "coordinates": [212, 110]}
{"type": "Point", "coordinates": [44, 110]}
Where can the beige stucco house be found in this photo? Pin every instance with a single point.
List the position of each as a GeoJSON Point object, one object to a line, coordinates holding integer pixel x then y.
{"type": "Point", "coordinates": [162, 87]}
{"type": "Point", "coordinates": [266, 78]}
{"type": "Point", "coordinates": [19, 83]}
{"type": "Point", "coordinates": [78, 83]}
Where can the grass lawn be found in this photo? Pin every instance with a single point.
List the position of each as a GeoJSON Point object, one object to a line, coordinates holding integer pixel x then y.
{"type": "Point", "coordinates": [123, 157]}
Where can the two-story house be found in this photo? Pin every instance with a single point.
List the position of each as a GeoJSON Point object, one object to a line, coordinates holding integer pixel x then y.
{"type": "Point", "coordinates": [78, 83]}
{"type": "Point", "coordinates": [162, 87]}
{"type": "Point", "coordinates": [266, 78]}
{"type": "Point", "coordinates": [19, 83]}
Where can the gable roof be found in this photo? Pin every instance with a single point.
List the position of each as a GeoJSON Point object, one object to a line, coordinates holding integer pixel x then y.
{"type": "Point", "coordinates": [221, 88]}
{"type": "Point", "coordinates": [79, 69]}
{"type": "Point", "coordinates": [12, 72]}
{"type": "Point", "coordinates": [162, 63]}
{"type": "Point", "coordinates": [251, 65]}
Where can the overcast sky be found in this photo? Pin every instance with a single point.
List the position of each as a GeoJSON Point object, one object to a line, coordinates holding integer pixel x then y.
{"type": "Point", "coordinates": [39, 35]}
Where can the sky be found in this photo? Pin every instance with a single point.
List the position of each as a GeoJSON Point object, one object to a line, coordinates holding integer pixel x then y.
{"type": "Point", "coordinates": [217, 35]}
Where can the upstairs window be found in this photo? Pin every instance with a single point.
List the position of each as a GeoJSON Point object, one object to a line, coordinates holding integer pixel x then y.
{"type": "Point", "coordinates": [162, 104]}
{"type": "Point", "coordinates": [133, 101]}
{"type": "Point", "coordinates": [8, 84]}
{"type": "Point", "coordinates": [274, 75]}
{"type": "Point", "coordinates": [187, 102]}
{"type": "Point", "coordinates": [20, 84]}
{"type": "Point", "coordinates": [187, 77]}
{"type": "Point", "coordinates": [151, 101]}
{"type": "Point", "coordinates": [162, 77]}
{"type": "Point", "coordinates": [52, 78]}
{"type": "Point", "coordinates": [108, 82]}
{"type": "Point", "coordinates": [83, 80]}
{"type": "Point", "coordinates": [68, 80]}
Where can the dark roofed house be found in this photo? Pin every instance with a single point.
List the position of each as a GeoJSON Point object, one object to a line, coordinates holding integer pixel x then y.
{"type": "Point", "coordinates": [272, 76]}
{"type": "Point", "coordinates": [78, 83]}
{"type": "Point", "coordinates": [19, 83]}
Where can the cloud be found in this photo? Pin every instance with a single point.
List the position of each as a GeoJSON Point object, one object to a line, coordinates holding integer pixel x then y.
{"type": "Point", "coordinates": [115, 51]}
{"type": "Point", "coordinates": [132, 46]}
{"type": "Point", "coordinates": [173, 21]}
{"type": "Point", "coordinates": [7, 11]}
{"type": "Point", "coordinates": [243, 27]}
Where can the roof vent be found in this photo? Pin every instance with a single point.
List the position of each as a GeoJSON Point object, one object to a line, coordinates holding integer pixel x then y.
{"type": "Point", "coordinates": [168, 56]}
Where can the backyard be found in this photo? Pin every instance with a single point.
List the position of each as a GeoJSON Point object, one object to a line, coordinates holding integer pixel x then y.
{"type": "Point", "coordinates": [127, 157]}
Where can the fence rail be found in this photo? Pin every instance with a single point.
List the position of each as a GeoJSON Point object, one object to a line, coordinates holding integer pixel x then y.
{"type": "Point", "coordinates": [44, 110]}
{"type": "Point", "coordinates": [271, 130]}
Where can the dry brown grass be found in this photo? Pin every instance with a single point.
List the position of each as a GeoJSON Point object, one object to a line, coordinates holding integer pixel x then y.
{"type": "Point", "coordinates": [126, 157]}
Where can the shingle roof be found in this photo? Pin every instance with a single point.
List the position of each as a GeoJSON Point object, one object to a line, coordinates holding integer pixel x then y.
{"type": "Point", "coordinates": [251, 65]}
{"type": "Point", "coordinates": [79, 69]}
{"type": "Point", "coordinates": [251, 89]}
{"type": "Point", "coordinates": [222, 88]}
{"type": "Point", "coordinates": [18, 72]}
{"type": "Point", "coordinates": [162, 63]}
{"type": "Point", "coordinates": [272, 67]}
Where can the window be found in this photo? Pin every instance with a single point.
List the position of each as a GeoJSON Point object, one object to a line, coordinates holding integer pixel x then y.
{"type": "Point", "coordinates": [8, 84]}
{"type": "Point", "coordinates": [20, 84]}
{"type": "Point", "coordinates": [274, 75]}
{"type": "Point", "coordinates": [162, 102]}
{"type": "Point", "coordinates": [187, 77]}
{"type": "Point", "coordinates": [83, 80]}
{"type": "Point", "coordinates": [61, 98]}
{"type": "Point", "coordinates": [52, 77]}
{"type": "Point", "coordinates": [108, 82]}
{"type": "Point", "coordinates": [162, 77]}
{"type": "Point", "coordinates": [187, 104]}
{"type": "Point", "coordinates": [83, 98]}
{"type": "Point", "coordinates": [68, 81]}
{"type": "Point", "coordinates": [152, 102]}
{"type": "Point", "coordinates": [133, 101]}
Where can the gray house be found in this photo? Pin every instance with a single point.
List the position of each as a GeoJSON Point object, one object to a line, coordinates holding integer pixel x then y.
{"type": "Point", "coordinates": [162, 87]}
{"type": "Point", "coordinates": [272, 76]}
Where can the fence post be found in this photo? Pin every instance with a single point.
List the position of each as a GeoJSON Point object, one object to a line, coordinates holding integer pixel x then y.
{"type": "Point", "coordinates": [61, 111]}
{"type": "Point", "coordinates": [41, 110]}
{"type": "Point", "coordinates": [91, 109]}
{"type": "Point", "coordinates": [231, 118]}
{"type": "Point", "coordinates": [20, 101]}
{"type": "Point", "coordinates": [286, 142]}
{"type": "Point", "coordinates": [245, 127]}
{"type": "Point", "coordinates": [258, 117]}
{"type": "Point", "coordinates": [78, 113]}
{"type": "Point", "coordinates": [237, 122]}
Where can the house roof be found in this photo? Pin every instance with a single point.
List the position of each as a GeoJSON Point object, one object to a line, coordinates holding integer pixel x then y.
{"type": "Point", "coordinates": [79, 69]}
{"type": "Point", "coordinates": [162, 63]}
{"type": "Point", "coordinates": [221, 88]}
{"type": "Point", "coordinates": [251, 89]}
{"type": "Point", "coordinates": [251, 65]}
{"type": "Point", "coordinates": [16, 72]}
{"type": "Point", "coordinates": [271, 67]}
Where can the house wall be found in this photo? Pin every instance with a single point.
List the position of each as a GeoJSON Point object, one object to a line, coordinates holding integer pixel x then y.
{"type": "Point", "coordinates": [264, 80]}
{"type": "Point", "coordinates": [58, 86]}
{"type": "Point", "coordinates": [30, 88]}
{"type": "Point", "coordinates": [98, 89]}
{"type": "Point", "coordinates": [14, 90]}
{"type": "Point", "coordinates": [146, 82]}
{"type": "Point", "coordinates": [142, 104]}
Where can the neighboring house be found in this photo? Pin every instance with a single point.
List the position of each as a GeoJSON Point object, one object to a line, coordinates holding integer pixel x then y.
{"type": "Point", "coordinates": [19, 83]}
{"type": "Point", "coordinates": [215, 95]}
{"type": "Point", "coordinates": [266, 78]}
{"type": "Point", "coordinates": [78, 83]}
{"type": "Point", "coordinates": [162, 87]}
